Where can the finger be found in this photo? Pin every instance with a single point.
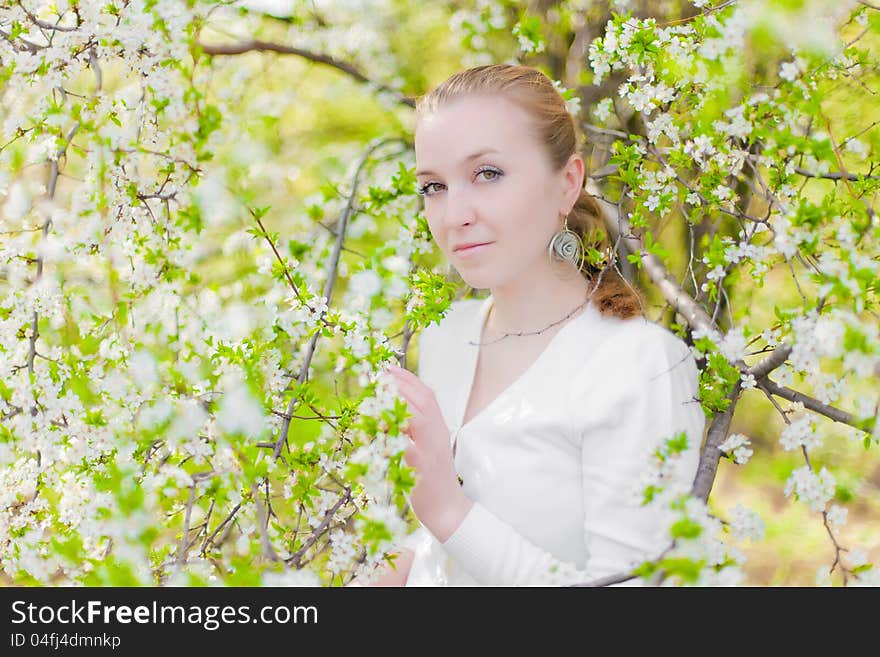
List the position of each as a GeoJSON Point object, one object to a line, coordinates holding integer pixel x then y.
{"type": "Point", "coordinates": [410, 456]}
{"type": "Point", "coordinates": [396, 369]}
{"type": "Point", "coordinates": [415, 390]}
{"type": "Point", "coordinates": [410, 427]}
{"type": "Point", "coordinates": [410, 393]}
{"type": "Point", "coordinates": [406, 375]}
{"type": "Point", "coordinates": [415, 414]}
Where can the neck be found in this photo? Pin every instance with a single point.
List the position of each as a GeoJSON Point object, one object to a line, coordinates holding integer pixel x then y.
{"type": "Point", "coordinates": [532, 302]}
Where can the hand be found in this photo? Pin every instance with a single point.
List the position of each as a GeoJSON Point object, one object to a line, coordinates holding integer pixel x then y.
{"type": "Point", "coordinates": [437, 498]}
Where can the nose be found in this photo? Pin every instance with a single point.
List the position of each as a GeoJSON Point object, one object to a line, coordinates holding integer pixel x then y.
{"type": "Point", "coordinates": [460, 209]}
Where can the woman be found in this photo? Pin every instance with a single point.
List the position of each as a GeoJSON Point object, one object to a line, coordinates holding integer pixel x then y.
{"type": "Point", "coordinates": [535, 410]}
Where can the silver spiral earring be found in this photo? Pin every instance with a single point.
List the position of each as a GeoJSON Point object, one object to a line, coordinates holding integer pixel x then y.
{"type": "Point", "coordinates": [567, 246]}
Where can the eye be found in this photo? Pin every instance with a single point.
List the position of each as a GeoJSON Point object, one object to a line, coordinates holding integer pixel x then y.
{"type": "Point", "coordinates": [495, 173]}
{"type": "Point", "coordinates": [423, 190]}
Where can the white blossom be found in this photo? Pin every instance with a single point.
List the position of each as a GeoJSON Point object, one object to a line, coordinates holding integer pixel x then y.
{"type": "Point", "coordinates": [815, 490]}
{"type": "Point", "coordinates": [837, 516]}
{"type": "Point", "coordinates": [239, 411]}
{"type": "Point", "coordinates": [799, 432]}
{"type": "Point", "coordinates": [789, 71]}
{"type": "Point", "coordinates": [856, 558]}
{"type": "Point", "coordinates": [856, 147]}
{"type": "Point", "coordinates": [733, 345]}
{"type": "Point", "coordinates": [823, 576]}
{"type": "Point", "coordinates": [603, 109]}
{"type": "Point", "coordinates": [745, 523]}
{"type": "Point", "coordinates": [737, 445]}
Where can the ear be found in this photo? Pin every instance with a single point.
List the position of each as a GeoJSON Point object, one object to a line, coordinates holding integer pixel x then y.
{"type": "Point", "coordinates": [572, 182]}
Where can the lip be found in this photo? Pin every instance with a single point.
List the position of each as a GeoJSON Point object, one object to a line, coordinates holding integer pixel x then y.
{"type": "Point", "coordinates": [477, 248]}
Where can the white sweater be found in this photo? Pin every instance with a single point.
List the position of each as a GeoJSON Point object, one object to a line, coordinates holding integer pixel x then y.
{"type": "Point", "coordinates": [555, 464]}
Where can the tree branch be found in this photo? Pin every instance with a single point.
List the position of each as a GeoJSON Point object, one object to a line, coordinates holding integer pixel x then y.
{"type": "Point", "coordinates": [680, 300]}
{"type": "Point", "coordinates": [809, 402]}
{"type": "Point", "coordinates": [263, 521]}
{"type": "Point", "coordinates": [44, 24]}
{"type": "Point", "coordinates": [774, 360]}
{"type": "Point", "coordinates": [296, 558]}
{"type": "Point", "coordinates": [710, 456]}
{"type": "Point", "coordinates": [835, 175]}
{"type": "Point", "coordinates": [24, 45]}
{"type": "Point", "coordinates": [328, 288]}
{"type": "Point", "coordinates": [181, 549]}
{"type": "Point", "coordinates": [209, 541]}
{"type": "Point", "coordinates": [255, 45]}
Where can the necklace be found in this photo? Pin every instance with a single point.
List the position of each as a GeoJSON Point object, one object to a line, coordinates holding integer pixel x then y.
{"type": "Point", "coordinates": [521, 333]}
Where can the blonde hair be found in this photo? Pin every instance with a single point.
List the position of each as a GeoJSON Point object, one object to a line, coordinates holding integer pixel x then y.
{"type": "Point", "coordinates": [555, 127]}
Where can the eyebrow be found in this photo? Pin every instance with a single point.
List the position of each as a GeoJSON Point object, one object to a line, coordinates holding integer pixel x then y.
{"type": "Point", "coordinates": [482, 151]}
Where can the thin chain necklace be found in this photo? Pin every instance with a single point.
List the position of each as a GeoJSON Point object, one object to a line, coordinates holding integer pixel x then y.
{"type": "Point", "coordinates": [521, 333]}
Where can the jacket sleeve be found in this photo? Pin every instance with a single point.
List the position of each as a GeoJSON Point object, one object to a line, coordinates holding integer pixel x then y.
{"type": "Point", "coordinates": [640, 389]}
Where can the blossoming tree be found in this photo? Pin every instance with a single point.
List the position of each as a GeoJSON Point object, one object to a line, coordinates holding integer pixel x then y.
{"type": "Point", "coordinates": [184, 399]}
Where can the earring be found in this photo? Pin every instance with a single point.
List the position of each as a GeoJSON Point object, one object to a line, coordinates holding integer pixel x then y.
{"type": "Point", "coordinates": [567, 246]}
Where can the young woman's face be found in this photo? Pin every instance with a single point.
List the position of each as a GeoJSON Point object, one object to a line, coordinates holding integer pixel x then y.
{"type": "Point", "coordinates": [506, 194]}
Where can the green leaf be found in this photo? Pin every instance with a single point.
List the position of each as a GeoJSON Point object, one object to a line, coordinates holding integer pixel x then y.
{"type": "Point", "coordinates": [686, 528]}
{"type": "Point", "coordinates": [259, 213]}
{"type": "Point", "coordinates": [635, 258]}
{"type": "Point", "coordinates": [687, 569]}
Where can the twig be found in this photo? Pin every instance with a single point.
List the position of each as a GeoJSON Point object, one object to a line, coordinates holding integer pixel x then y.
{"type": "Point", "coordinates": [328, 288]}
{"type": "Point", "coordinates": [813, 404]}
{"type": "Point", "coordinates": [210, 539]}
{"type": "Point", "coordinates": [255, 45]}
{"type": "Point", "coordinates": [25, 44]}
{"type": "Point", "coordinates": [263, 521]}
{"type": "Point", "coordinates": [296, 558]}
{"type": "Point", "coordinates": [44, 24]}
{"type": "Point", "coordinates": [680, 300]}
{"type": "Point", "coordinates": [835, 175]}
{"type": "Point", "coordinates": [181, 549]}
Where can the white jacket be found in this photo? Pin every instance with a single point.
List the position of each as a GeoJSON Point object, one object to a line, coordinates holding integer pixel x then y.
{"type": "Point", "coordinates": [555, 464]}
